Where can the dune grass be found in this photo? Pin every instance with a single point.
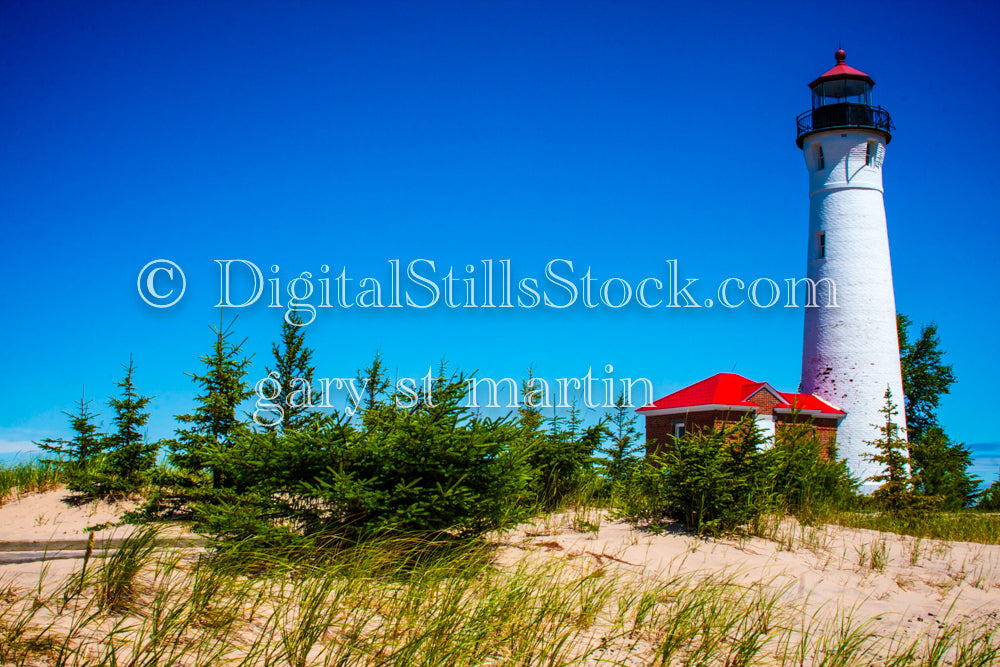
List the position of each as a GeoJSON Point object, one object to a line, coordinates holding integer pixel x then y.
{"type": "Point", "coordinates": [403, 602]}
{"type": "Point", "coordinates": [21, 479]}
{"type": "Point", "coordinates": [964, 526]}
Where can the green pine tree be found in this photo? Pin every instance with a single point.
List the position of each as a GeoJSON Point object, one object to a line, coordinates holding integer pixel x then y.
{"type": "Point", "coordinates": [563, 457]}
{"type": "Point", "coordinates": [896, 490]}
{"type": "Point", "coordinates": [374, 382]}
{"type": "Point", "coordinates": [214, 426]}
{"type": "Point", "coordinates": [87, 442]}
{"type": "Point", "coordinates": [78, 455]}
{"type": "Point", "coordinates": [129, 456]}
{"type": "Point", "coordinates": [710, 480]}
{"type": "Point", "coordinates": [294, 374]}
{"type": "Point", "coordinates": [804, 477]}
{"type": "Point", "coordinates": [622, 453]}
{"type": "Point", "coordinates": [529, 411]}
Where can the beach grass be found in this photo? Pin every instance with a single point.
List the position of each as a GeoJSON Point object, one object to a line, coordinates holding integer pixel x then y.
{"type": "Point", "coordinates": [964, 526]}
{"type": "Point", "coordinates": [21, 479]}
{"type": "Point", "coordinates": [403, 602]}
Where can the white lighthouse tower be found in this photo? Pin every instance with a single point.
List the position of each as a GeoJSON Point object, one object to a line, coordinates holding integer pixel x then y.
{"type": "Point", "coordinates": [850, 352]}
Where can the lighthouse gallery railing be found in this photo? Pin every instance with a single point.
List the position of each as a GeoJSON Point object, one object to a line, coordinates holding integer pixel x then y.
{"type": "Point", "coordinates": [832, 116]}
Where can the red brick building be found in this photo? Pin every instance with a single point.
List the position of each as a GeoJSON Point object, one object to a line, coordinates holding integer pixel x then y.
{"type": "Point", "coordinates": [727, 398]}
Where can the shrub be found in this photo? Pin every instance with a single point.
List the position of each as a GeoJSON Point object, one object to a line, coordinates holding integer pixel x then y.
{"type": "Point", "coordinates": [989, 501]}
{"type": "Point", "coordinates": [559, 456]}
{"type": "Point", "coordinates": [804, 477]}
{"type": "Point", "coordinates": [710, 480]}
{"type": "Point", "coordinates": [433, 469]}
{"type": "Point", "coordinates": [941, 469]}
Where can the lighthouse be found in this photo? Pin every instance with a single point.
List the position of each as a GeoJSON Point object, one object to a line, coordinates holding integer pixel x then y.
{"type": "Point", "coordinates": [850, 351]}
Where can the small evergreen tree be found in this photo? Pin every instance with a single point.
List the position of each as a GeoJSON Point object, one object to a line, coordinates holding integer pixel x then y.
{"type": "Point", "coordinates": [529, 411]}
{"type": "Point", "coordinates": [433, 470]}
{"type": "Point", "coordinates": [87, 442]}
{"type": "Point", "coordinates": [375, 381]}
{"type": "Point", "coordinates": [804, 477]}
{"type": "Point", "coordinates": [215, 423]}
{"type": "Point", "coordinates": [562, 457]}
{"type": "Point", "coordinates": [531, 438]}
{"type": "Point", "coordinates": [293, 373]}
{"type": "Point", "coordinates": [896, 491]}
{"type": "Point", "coordinates": [622, 453]}
{"type": "Point", "coordinates": [129, 456]}
{"type": "Point", "coordinates": [77, 455]}
{"type": "Point", "coordinates": [710, 480]}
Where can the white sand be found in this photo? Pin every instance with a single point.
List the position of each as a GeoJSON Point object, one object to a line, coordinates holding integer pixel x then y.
{"type": "Point", "coordinates": [826, 570]}
{"type": "Point", "coordinates": [818, 569]}
{"type": "Point", "coordinates": [44, 535]}
{"type": "Point", "coordinates": [44, 517]}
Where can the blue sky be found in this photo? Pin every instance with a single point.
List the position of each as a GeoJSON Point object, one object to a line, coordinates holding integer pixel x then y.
{"type": "Point", "coordinates": [613, 135]}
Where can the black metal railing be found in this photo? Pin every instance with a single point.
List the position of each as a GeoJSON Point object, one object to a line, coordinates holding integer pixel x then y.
{"type": "Point", "coordinates": [832, 116]}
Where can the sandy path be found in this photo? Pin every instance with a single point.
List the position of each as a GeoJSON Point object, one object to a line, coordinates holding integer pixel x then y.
{"type": "Point", "coordinates": [47, 533]}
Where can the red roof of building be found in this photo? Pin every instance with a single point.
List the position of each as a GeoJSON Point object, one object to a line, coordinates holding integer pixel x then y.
{"type": "Point", "coordinates": [732, 390]}
{"type": "Point", "coordinates": [842, 71]}
{"type": "Point", "coordinates": [811, 402]}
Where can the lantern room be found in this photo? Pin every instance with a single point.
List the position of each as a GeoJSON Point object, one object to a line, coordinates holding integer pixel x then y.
{"type": "Point", "coordinates": [842, 98]}
{"type": "Point", "coordinates": [842, 85]}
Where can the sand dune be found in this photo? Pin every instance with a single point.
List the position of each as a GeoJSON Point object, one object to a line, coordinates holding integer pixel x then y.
{"type": "Point", "coordinates": [882, 578]}
{"type": "Point", "coordinates": [895, 585]}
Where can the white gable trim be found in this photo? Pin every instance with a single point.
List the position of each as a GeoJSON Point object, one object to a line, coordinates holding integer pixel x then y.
{"type": "Point", "coordinates": [774, 392]}
{"type": "Point", "coordinates": [698, 408]}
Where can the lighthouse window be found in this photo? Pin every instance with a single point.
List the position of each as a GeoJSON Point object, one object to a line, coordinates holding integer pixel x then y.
{"type": "Point", "coordinates": [678, 430]}
{"type": "Point", "coordinates": [872, 153]}
{"type": "Point", "coordinates": [818, 150]}
{"type": "Point", "coordinates": [820, 245]}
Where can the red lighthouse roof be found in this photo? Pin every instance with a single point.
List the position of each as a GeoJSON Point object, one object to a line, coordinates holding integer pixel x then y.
{"type": "Point", "coordinates": [842, 71]}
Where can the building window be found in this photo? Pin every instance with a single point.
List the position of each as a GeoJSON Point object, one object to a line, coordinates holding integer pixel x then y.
{"type": "Point", "coordinates": [678, 430]}
{"type": "Point", "coordinates": [820, 162]}
{"type": "Point", "coordinates": [872, 153]}
{"type": "Point", "coordinates": [820, 245]}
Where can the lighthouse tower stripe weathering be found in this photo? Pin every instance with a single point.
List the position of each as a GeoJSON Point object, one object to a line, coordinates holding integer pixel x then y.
{"type": "Point", "coordinates": [850, 353]}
